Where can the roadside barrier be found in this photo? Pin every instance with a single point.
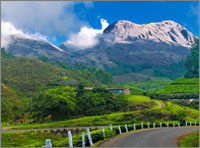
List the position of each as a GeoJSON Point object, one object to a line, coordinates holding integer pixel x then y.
{"type": "Point", "coordinates": [148, 125]}
{"type": "Point", "coordinates": [110, 131]}
{"type": "Point", "coordinates": [154, 125]}
{"type": "Point", "coordinates": [110, 127]}
{"type": "Point", "coordinates": [70, 139]}
{"type": "Point", "coordinates": [142, 125]}
{"type": "Point", "coordinates": [83, 139]}
{"type": "Point", "coordinates": [47, 143]}
{"type": "Point", "coordinates": [119, 129]}
{"type": "Point", "coordinates": [89, 137]}
{"type": "Point", "coordinates": [126, 128]}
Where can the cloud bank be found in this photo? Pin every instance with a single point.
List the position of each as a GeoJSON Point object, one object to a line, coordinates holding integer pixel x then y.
{"type": "Point", "coordinates": [8, 29]}
{"type": "Point", "coordinates": [48, 18]}
{"type": "Point", "coordinates": [87, 37]}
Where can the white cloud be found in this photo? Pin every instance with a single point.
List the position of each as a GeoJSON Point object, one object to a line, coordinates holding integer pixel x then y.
{"type": "Point", "coordinates": [38, 36]}
{"type": "Point", "coordinates": [87, 37]}
{"type": "Point", "coordinates": [48, 18]}
{"type": "Point", "coordinates": [8, 29]}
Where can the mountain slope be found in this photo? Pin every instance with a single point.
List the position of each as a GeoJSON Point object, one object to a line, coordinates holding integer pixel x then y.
{"type": "Point", "coordinates": [25, 78]}
{"type": "Point", "coordinates": [126, 47]}
{"type": "Point", "coordinates": [12, 105]}
{"type": "Point", "coordinates": [30, 75]}
{"type": "Point", "coordinates": [25, 46]}
{"type": "Point", "coordinates": [153, 50]}
{"type": "Point", "coordinates": [165, 31]}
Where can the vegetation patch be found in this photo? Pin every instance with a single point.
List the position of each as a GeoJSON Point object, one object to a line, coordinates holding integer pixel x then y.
{"type": "Point", "coordinates": [189, 140]}
{"type": "Point", "coordinates": [151, 85]}
{"type": "Point", "coordinates": [170, 112]}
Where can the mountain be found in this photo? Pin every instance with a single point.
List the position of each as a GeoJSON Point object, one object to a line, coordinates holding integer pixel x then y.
{"type": "Point", "coordinates": [26, 46]}
{"type": "Point", "coordinates": [153, 50]}
{"type": "Point", "coordinates": [166, 31]}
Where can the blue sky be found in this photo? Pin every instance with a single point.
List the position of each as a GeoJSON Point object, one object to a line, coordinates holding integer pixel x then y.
{"type": "Point", "coordinates": [144, 12]}
{"type": "Point", "coordinates": [58, 21]}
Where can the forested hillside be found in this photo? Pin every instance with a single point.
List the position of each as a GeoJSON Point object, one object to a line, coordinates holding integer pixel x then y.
{"type": "Point", "coordinates": [23, 79]}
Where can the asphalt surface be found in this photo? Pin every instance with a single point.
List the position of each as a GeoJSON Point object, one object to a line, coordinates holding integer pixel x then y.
{"type": "Point", "coordinates": [162, 137]}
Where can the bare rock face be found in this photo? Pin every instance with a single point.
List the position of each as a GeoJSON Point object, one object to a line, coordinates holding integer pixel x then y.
{"type": "Point", "coordinates": [168, 32]}
{"type": "Point", "coordinates": [26, 46]}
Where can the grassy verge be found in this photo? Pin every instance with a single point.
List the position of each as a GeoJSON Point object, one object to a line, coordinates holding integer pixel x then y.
{"type": "Point", "coordinates": [37, 139]}
{"type": "Point", "coordinates": [28, 139]}
{"type": "Point", "coordinates": [159, 111]}
{"type": "Point", "coordinates": [190, 140]}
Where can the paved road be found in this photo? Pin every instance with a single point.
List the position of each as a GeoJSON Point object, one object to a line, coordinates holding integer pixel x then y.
{"type": "Point", "coordinates": [162, 137]}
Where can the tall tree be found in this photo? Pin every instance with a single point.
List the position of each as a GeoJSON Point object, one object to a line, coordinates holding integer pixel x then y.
{"type": "Point", "coordinates": [192, 62]}
{"type": "Point", "coordinates": [58, 103]}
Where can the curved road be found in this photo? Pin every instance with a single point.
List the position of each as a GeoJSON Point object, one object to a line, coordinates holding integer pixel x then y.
{"type": "Point", "coordinates": [161, 137]}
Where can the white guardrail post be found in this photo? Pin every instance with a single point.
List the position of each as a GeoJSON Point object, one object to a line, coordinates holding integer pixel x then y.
{"type": "Point", "coordinates": [83, 139]}
{"type": "Point", "coordinates": [89, 137]}
{"type": "Point", "coordinates": [102, 129]}
{"type": "Point", "coordinates": [134, 127]}
{"type": "Point", "coordinates": [141, 125]}
{"type": "Point", "coordinates": [154, 125]}
{"type": "Point", "coordinates": [110, 127]}
{"type": "Point", "coordinates": [48, 143]}
{"type": "Point", "coordinates": [160, 124]}
{"type": "Point", "coordinates": [167, 124]}
{"type": "Point", "coordinates": [148, 125]}
{"type": "Point", "coordinates": [126, 127]}
{"type": "Point", "coordinates": [119, 129]}
{"type": "Point", "coordinates": [70, 139]}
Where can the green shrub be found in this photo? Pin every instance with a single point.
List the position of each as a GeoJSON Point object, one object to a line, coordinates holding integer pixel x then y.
{"type": "Point", "coordinates": [96, 135]}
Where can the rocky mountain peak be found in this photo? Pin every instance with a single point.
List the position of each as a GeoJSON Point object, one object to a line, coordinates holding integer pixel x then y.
{"type": "Point", "coordinates": [166, 31]}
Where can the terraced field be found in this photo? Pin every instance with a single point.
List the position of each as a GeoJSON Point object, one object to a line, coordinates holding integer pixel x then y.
{"type": "Point", "coordinates": [181, 85]}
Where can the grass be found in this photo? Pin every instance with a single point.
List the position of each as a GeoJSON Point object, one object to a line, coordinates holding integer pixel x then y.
{"type": "Point", "coordinates": [181, 85]}
{"type": "Point", "coordinates": [169, 112]}
{"type": "Point", "coordinates": [180, 88]}
{"type": "Point", "coordinates": [191, 140]}
{"type": "Point", "coordinates": [151, 85]}
{"type": "Point", "coordinates": [184, 80]}
{"type": "Point", "coordinates": [137, 99]}
{"type": "Point", "coordinates": [37, 139]}
{"type": "Point", "coordinates": [28, 139]}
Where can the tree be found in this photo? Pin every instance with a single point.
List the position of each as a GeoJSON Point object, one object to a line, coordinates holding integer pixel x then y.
{"type": "Point", "coordinates": [58, 103]}
{"type": "Point", "coordinates": [192, 62]}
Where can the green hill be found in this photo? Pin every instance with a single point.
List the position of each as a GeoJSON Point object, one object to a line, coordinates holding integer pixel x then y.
{"type": "Point", "coordinates": [151, 85]}
{"type": "Point", "coordinates": [25, 78]}
{"type": "Point", "coordinates": [12, 106]}
{"type": "Point", "coordinates": [181, 85]}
